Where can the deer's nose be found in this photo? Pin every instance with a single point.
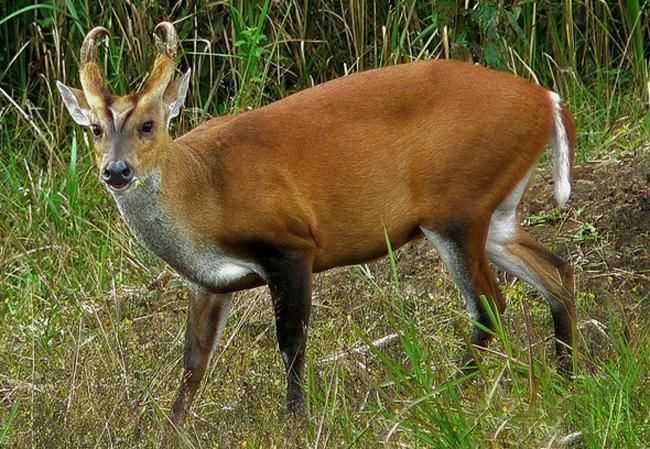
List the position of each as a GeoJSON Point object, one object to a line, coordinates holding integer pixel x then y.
{"type": "Point", "coordinates": [117, 174]}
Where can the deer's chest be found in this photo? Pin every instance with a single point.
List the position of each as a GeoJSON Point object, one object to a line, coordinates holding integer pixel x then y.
{"type": "Point", "coordinates": [200, 262]}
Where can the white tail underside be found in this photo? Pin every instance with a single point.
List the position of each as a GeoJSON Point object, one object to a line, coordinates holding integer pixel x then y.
{"type": "Point", "coordinates": [561, 155]}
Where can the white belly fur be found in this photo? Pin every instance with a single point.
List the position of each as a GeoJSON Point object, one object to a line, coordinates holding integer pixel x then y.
{"type": "Point", "coordinates": [201, 263]}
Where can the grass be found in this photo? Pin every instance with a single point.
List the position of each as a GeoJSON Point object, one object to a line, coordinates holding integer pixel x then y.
{"type": "Point", "coordinates": [90, 357]}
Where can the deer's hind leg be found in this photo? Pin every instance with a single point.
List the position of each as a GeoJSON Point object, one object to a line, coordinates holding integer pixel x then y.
{"type": "Point", "coordinates": [462, 249]}
{"type": "Point", "coordinates": [513, 250]}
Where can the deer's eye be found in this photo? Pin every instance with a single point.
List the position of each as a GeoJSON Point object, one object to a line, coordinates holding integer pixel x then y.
{"type": "Point", "coordinates": [147, 127]}
{"type": "Point", "coordinates": [96, 130]}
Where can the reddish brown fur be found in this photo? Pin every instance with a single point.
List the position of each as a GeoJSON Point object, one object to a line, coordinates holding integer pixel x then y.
{"type": "Point", "coordinates": [329, 168]}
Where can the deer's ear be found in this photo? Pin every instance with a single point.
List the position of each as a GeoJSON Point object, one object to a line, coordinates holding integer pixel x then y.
{"type": "Point", "coordinates": [76, 104]}
{"type": "Point", "coordinates": [175, 94]}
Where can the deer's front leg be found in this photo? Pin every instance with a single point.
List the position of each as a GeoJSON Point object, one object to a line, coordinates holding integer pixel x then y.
{"type": "Point", "coordinates": [290, 284]}
{"type": "Point", "coordinates": [206, 317]}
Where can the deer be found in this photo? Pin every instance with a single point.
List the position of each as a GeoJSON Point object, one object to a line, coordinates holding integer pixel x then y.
{"type": "Point", "coordinates": [438, 149]}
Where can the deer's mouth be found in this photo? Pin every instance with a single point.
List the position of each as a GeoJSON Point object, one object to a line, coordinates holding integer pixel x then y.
{"type": "Point", "coordinates": [120, 187]}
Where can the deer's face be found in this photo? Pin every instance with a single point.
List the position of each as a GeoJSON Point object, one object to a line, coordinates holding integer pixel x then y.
{"type": "Point", "coordinates": [129, 132]}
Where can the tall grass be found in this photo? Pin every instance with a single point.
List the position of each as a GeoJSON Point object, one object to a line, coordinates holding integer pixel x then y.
{"type": "Point", "coordinates": [245, 53]}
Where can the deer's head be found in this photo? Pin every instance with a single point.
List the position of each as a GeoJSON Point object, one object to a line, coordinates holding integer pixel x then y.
{"type": "Point", "coordinates": [129, 131]}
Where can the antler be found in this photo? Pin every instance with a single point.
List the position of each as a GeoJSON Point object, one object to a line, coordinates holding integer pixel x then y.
{"type": "Point", "coordinates": [169, 44]}
{"type": "Point", "coordinates": [89, 48]}
{"type": "Point", "coordinates": [92, 80]}
{"type": "Point", "coordinates": [165, 65]}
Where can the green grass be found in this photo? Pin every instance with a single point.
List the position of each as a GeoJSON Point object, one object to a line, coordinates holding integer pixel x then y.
{"type": "Point", "coordinates": [89, 357]}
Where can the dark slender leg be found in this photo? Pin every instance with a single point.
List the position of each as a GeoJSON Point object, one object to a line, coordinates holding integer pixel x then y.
{"type": "Point", "coordinates": [289, 277]}
{"type": "Point", "coordinates": [206, 317]}
{"type": "Point", "coordinates": [463, 251]}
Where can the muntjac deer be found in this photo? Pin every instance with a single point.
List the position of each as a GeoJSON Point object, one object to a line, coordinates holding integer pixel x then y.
{"type": "Point", "coordinates": [440, 149]}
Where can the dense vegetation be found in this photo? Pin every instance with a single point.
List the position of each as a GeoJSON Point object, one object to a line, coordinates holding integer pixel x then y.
{"type": "Point", "coordinates": [89, 357]}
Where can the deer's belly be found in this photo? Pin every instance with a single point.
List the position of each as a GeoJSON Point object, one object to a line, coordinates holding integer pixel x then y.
{"type": "Point", "coordinates": [209, 268]}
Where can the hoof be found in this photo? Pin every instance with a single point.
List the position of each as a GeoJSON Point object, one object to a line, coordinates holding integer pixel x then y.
{"type": "Point", "coordinates": [565, 365]}
{"type": "Point", "coordinates": [177, 415]}
{"type": "Point", "coordinates": [296, 409]}
{"type": "Point", "coordinates": [468, 365]}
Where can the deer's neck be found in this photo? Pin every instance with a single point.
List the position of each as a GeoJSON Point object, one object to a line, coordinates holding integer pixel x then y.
{"type": "Point", "coordinates": [143, 208]}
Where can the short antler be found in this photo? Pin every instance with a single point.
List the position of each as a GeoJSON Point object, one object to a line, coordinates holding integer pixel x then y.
{"type": "Point", "coordinates": [89, 47]}
{"type": "Point", "coordinates": [168, 45]}
{"type": "Point", "coordinates": [165, 65]}
{"type": "Point", "coordinates": [92, 80]}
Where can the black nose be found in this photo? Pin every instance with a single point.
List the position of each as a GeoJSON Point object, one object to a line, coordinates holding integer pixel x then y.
{"type": "Point", "coordinates": [117, 174]}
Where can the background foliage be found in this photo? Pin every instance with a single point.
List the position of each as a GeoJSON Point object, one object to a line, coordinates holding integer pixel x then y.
{"type": "Point", "coordinates": [246, 53]}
